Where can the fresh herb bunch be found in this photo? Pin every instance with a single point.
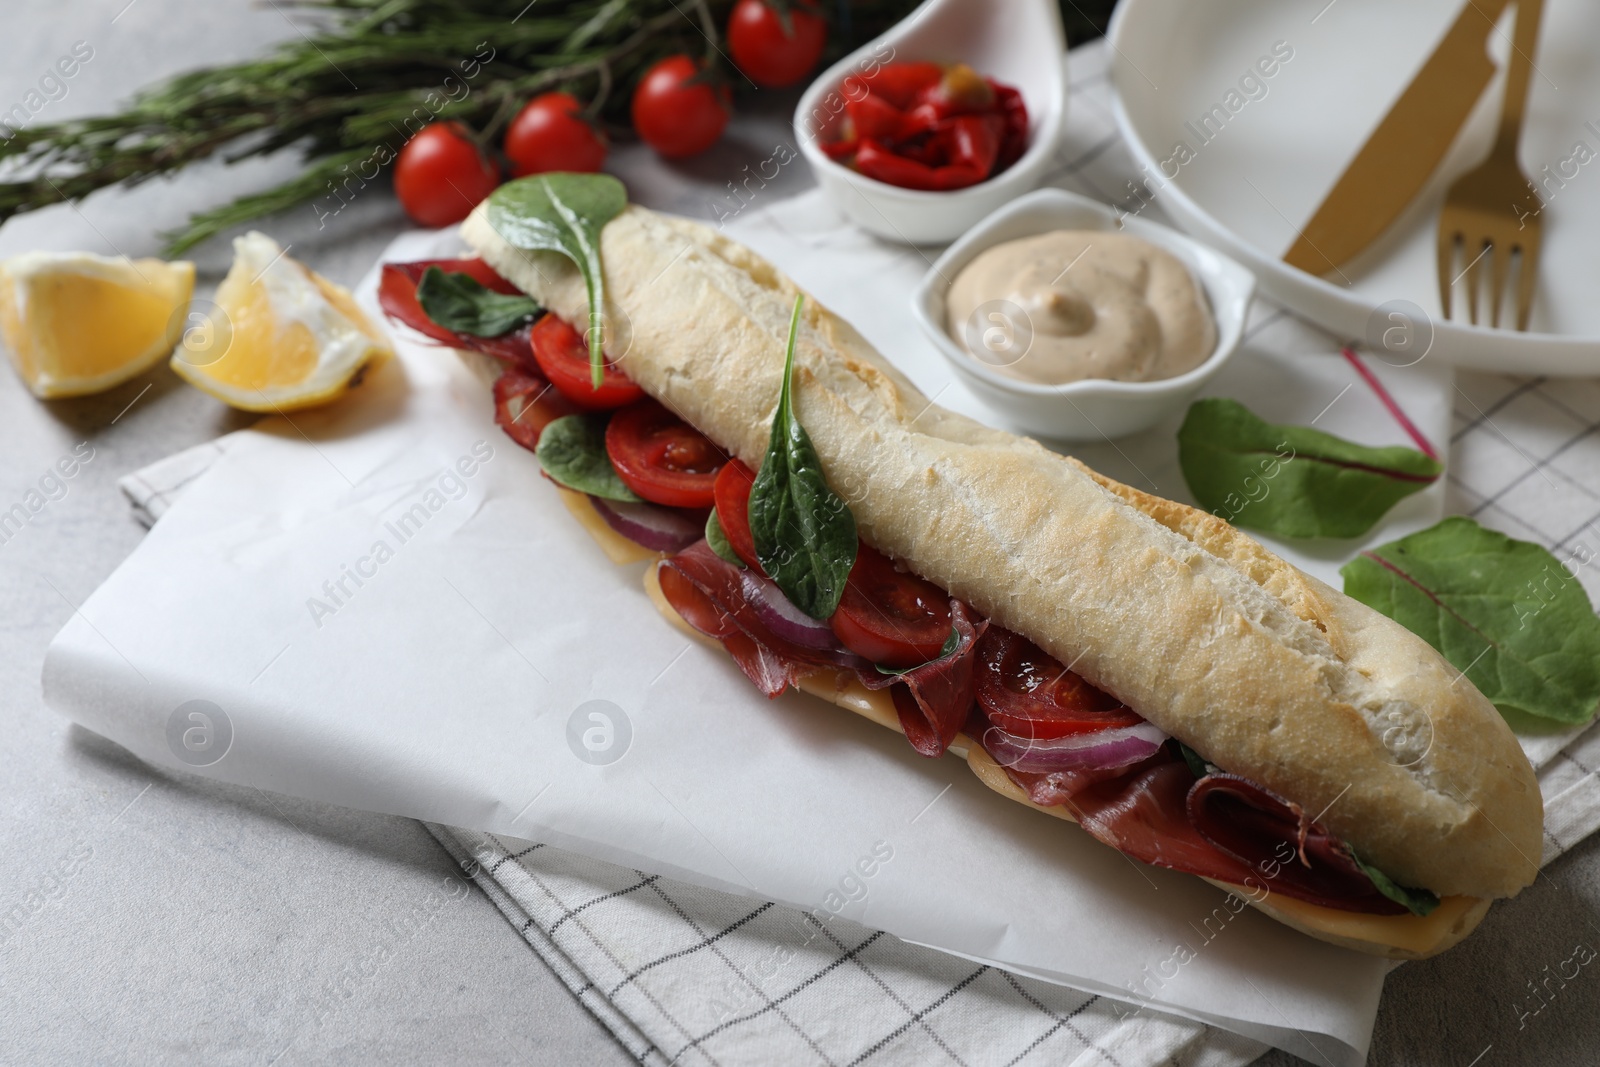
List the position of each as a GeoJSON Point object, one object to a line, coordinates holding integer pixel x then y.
{"type": "Point", "coordinates": [351, 90]}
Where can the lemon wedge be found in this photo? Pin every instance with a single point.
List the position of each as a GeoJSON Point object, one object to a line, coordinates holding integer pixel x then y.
{"type": "Point", "coordinates": [77, 323]}
{"type": "Point", "coordinates": [279, 337]}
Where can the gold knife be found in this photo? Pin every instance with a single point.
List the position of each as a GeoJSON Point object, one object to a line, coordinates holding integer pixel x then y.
{"type": "Point", "coordinates": [1403, 151]}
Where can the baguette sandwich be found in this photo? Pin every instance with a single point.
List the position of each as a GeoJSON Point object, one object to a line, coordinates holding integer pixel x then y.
{"type": "Point", "coordinates": [1112, 658]}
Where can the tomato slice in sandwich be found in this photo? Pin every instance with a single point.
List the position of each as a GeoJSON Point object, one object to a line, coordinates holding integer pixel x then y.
{"type": "Point", "coordinates": [661, 457]}
{"type": "Point", "coordinates": [563, 355]}
{"type": "Point", "coordinates": [1027, 692]}
{"type": "Point", "coordinates": [889, 616]}
{"type": "Point", "coordinates": [397, 291]}
{"type": "Point", "coordinates": [732, 492]}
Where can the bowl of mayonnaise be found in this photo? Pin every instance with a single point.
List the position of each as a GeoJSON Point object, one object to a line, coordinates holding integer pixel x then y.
{"type": "Point", "coordinates": [1079, 323]}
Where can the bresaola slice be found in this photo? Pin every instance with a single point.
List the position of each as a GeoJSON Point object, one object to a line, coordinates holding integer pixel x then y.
{"type": "Point", "coordinates": [712, 596]}
{"type": "Point", "coordinates": [1143, 814]}
{"type": "Point", "coordinates": [687, 581]}
{"type": "Point", "coordinates": [1257, 827]}
{"type": "Point", "coordinates": [1056, 788]}
{"type": "Point", "coordinates": [524, 404]}
{"type": "Point", "coordinates": [723, 583]}
{"type": "Point", "coordinates": [936, 699]}
{"type": "Point", "coordinates": [1220, 826]}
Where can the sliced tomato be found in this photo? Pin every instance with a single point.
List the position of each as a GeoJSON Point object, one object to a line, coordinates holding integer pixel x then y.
{"type": "Point", "coordinates": [732, 492]}
{"type": "Point", "coordinates": [663, 458]}
{"type": "Point", "coordinates": [563, 355]}
{"type": "Point", "coordinates": [889, 616]}
{"type": "Point", "coordinates": [524, 404]}
{"type": "Point", "coordinates": [397, 291]}
{"type": "Point", "coordinates": [1027, 692]}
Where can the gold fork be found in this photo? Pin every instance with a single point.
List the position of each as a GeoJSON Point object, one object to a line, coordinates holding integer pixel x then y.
{"type": "Point", "coordinates": [1491, 211]}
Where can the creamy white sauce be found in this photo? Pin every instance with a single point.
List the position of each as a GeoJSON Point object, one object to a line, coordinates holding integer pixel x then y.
{"type": "Point", "coordinates": [1070, 304]}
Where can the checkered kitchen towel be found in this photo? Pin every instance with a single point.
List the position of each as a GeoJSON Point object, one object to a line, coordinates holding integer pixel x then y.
{"type": "Point", "coordinates": [684, 974]}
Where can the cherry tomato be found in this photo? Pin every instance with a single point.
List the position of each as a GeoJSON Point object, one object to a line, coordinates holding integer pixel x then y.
{"type": "Point", "coordinates": [676, 114]}
{"type": "Point", "coordinates": [440, 175]}
{"type": "Point", "coordinates": [732, 491]}
{"type": "Point", "coordinates": [563, 355]}
{"type": "Point", "coordinates": [766, 52]}
{"type": "Point", "coordinates": [550, 134]}
{"type": "Point", "coordinates": [663, 458]}
{"type": "Point", "coordinates": [1027, 692]}
{"type": "Point", "coordinates": [889, 616]}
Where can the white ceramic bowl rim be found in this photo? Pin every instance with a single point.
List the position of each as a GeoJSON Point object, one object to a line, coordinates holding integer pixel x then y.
{"type": "Point", "coordinates": [1187, 248]}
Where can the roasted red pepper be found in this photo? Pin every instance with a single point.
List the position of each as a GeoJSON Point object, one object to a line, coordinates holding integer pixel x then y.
{"type": "Point", "coordinates": [922, 126]}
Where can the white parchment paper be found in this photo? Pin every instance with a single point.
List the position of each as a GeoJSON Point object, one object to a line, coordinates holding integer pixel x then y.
{"type": "Point", "coordinates": [384, 605]}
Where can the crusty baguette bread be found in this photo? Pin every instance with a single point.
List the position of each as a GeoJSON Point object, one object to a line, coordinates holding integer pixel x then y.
{"type": "Point", "coordinates": [1260, 668]}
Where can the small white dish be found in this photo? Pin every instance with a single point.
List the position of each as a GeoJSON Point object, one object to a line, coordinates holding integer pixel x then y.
{"type": "Point", "coordinates": [1096, 408]}
{"type": "Point", "coordinates": [1019, 42]}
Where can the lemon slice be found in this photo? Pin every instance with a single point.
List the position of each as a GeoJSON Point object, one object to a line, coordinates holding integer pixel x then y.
{"type": "Point", "coordinates": [77, 323]}
{"type": "Point", "coordinates": [279, 337]}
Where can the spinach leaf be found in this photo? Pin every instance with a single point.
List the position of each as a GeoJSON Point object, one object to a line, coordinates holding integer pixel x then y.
{"type": "Point", "coordinates": [1198, 764]}
{"type": "Point", "coordinates": [460, 302]}
{"type": "Point", "coordinates": [572, 451]}
{"type": "Point", "coordinates": [564, 213]}
{"type": "Point", "coordinates": [718, 540]}
{"type": "Point", "coordinates": [1506, 613]}
{"type": "Point", "coordinates": [1292, 480]}
{"type": "Point", "coordinates": [951, 643]}
{"type": "Point", "coordinates": [804, 533]}
{"type": "Point", "coordinates": [1419, 901]}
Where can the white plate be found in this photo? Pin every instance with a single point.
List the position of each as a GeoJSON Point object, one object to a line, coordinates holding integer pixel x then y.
{"type": "Point", "coordinates": [1251, 187]}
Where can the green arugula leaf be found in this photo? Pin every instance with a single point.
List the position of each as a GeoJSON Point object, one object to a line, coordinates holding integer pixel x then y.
{"type": "Point", "coordinates": [1418, 901]}
{"type": "Point", "coordinates": [718, 540]}
{"type": "Point", "coordinates": [951, 643]}
{"type": "Point", "coordinates": [564, 213]}
{"type": "Point", "coordinates": [572, 451]}
{"type": "Point", "coordinates": [459, 302]}
{"type": "Point", "coordinates": [804, 533]}
{"type": "Point", "coordinates": [1506, 613]}
{"type": "Point", "coordinates": [1292, 480]}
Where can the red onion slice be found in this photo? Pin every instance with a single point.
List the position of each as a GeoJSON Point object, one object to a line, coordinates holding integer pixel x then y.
{"type": "Point", "coordinates": [656, 528]}
{"type": "Point", "coordinates": [782, 617]}
{"type": "Point", "coordinates": [1102, 750]}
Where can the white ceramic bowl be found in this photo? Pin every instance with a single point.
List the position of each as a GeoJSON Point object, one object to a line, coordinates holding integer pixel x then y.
{"type": "Point", "coordinates": [1019, 42]}
{"type": "Point", "coordinates": [1096, 408]}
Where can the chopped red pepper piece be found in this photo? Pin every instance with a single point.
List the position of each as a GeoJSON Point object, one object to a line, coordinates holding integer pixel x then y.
{"type": "Point", "coordinates": [873, 116]}
{"type": "Point", "coordinates": [922, 126]}
{"type": "Point", "coordinates": [901, 84]}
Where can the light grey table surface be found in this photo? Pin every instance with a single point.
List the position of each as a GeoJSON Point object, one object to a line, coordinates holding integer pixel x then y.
{"type": "Point", "coordinates": [204, 923]}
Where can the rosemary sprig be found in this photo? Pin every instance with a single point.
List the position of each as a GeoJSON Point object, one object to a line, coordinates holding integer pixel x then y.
{"type": "Point", "coordinates": [366, 75]}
